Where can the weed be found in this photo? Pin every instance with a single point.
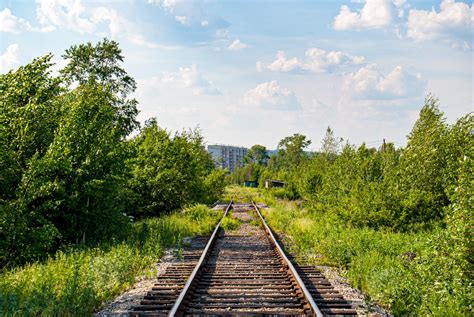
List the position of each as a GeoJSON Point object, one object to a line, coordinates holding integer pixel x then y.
{"type": "Point", "coordinates": [229, 223]}
{"type": "Point", "coordinates": [77, 282]}
{"type": "Point", "coordinates": [374, 263]}
{"type": "Point", "coordinates": [255, 222]}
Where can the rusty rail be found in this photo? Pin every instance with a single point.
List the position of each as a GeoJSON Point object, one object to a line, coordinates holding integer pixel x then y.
{"type": "Point", "coordinates": [198, 267]}
{"type": "Point", "coordinates": [314, 308]}
{"type": "Point", "coordinates": [234, 274]}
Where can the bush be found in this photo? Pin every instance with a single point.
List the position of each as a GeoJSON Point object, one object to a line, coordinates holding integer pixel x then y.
{"type": "Point", "coordinates": [196, 212]}
{"type": "Point", "coordinates": [409, 273]}
{"type": "Point", "coordinates": [77, 282]}
{"type": "Point", "coordinates": [171, 171]}
{"type": "Point", "coordinates": [68, 169]}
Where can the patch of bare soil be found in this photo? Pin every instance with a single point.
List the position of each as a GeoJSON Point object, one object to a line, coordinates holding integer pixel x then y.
{"type": "Point", "coordinates": [248, 226]}
{"type": "Point", "coordinates": [242, 216]}
{"type": "Point", "coordinates": [247, 230]}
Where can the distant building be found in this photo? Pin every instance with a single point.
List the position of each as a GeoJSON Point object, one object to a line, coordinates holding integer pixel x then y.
{"type": "Point", "coordinates": [269, 183]}
{"type": "Point", "coordinates": [270, 153]}
{"type": "Point", "coordinates": [226, 156]}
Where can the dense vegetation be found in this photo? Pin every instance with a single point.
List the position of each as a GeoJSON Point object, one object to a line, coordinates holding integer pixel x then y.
{"type": "Point", "coordinates": [77, 172]}
{"type": "Point", "coordinates": [70, 174]}
{"type": "Point", "coordinates": [398, 220]}
{"type": "Point", "coordinates": [408, 272]}
{"type": "Point", "coordinates": [73, 182]}
{"type": "Point", "coordinates": [76, 282]}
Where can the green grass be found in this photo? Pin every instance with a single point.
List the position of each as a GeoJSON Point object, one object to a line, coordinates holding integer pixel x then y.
{"type": "Point", "coordinates": [80, 281]}
{"type": "Point", "coordinates": [229, 223]}
{"type": "Point", "coordinates": [240, 194]}
{"type": "Point", "coordinates": [373, 261]}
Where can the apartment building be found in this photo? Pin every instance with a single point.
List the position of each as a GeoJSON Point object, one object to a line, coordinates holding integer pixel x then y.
{"type": "Point", "coordinates": [227, 156]}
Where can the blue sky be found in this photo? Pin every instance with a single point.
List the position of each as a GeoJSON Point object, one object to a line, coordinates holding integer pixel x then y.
{"type": "Point", "coordinates": [251, 72]}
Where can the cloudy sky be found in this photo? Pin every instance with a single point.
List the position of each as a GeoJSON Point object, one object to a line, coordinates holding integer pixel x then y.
{"type": "Point", "coordinates": [252, 72]}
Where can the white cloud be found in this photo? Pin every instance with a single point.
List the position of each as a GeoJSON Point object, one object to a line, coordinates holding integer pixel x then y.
{"type": "Point", "coordinates": [165, 4]}
{"type": "Point", "coordinates": [181, 19]}
{"type": "Point", "coordinates": [454, 20]}
{"type": "Point", "coordinates": [9, 59]}
{"type": "Point", "coordinates": [259, 66]}
{"type": "Point", "coordinates": [185, 77]}
{"type": "Point", "coordinates": [236, 45]}
{"type": "Point", "coordinates": [399, 3]}
{"type": "Point", "coordinates": [116, 23]}
{"type": "Point", "coordinates": [186, 12]}
{"type": "Point", "coordinates": [192, 78]}
{"type": "Point", "coordinates": [374, 14]}
{"type": "Point", "coordinates": [369, 83]}
{"type": "Point", "coordinates": [460, 45]}
{"type": "Point", "coordinates": [317, 60]}
{"type": "Point", "coordinates": [72, 15]}
{"type": "Point", "coordinates": [118, 26]}
{"type": "Point", "coordinates": [282, 64]}
{"type": "Point", "coordinates": [13, 24]}
{"type": "Point", "coordinates": [271, 96]}
{"type": "Point", "coordinates": [67, 14]}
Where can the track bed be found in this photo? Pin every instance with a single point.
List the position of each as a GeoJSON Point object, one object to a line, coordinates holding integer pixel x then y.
{"type": "Point", "coordinates": [243, 272]}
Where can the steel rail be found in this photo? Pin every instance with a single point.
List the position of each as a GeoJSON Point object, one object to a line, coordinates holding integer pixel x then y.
{"type": "Point", "coordinates": [306, 293]}
{"type": "Point", "coordinates": [184, 291]}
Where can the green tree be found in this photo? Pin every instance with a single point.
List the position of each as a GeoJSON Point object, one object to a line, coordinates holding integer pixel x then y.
{"type": "Point", "coordinates": [62, 175]}
{"type": "Point", "coordinates": [29, 112]}
{"type": "Point", "coordinates": [257, 154]}
{"type": "Point", "coordinates": [460, 143]}
{"type": "Point", "coordinates": [171, 171]}
{"type": "Point", "coordinates": [77, 184]}
{"type": "Point", "coordinates": [423, 165]}
{"type": "Point", "coordinates": [460, 221]}
{"type": "Point", "coordinates": [238, 175]}
{"type": "Point", "coordinates": [30, 109]}
{"type": "Point", "coordinates": [330, 145]}
{"type": "Point", "coordinates": [446, 268]}
{"type": "Point", "coordinates": [214, 185]}
{"type": "Point", "coordinates": [291, 150]}
{"type": "Point", "coordinates": [101, 65]}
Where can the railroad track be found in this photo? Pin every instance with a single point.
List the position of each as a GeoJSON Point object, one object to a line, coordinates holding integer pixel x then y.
{"type": "Point", "coordinates": [245, 272]}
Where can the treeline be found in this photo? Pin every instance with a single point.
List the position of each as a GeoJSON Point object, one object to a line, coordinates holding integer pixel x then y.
{"type": "Point", "coordinates": [70, 172]}
{"type": "Point", "coordinates": [399, 188]}
{"type": "Point", "coordinates": [424, 189]}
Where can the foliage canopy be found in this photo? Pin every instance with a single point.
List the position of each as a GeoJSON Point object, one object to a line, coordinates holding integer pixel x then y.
{"type": "Point", "coordinates": [68, 173]}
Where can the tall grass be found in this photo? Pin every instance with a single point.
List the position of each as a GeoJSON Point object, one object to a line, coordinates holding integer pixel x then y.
{"type": "Point", "coordinates": [397, 270]}
{"type": "Point", "coordinates": [78, 282]}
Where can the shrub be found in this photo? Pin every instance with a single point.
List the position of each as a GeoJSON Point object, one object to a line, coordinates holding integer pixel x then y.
{"type": "Point", "coordinates": [77, 282]}
{"type": "Point", "coordinates": [429, 282]}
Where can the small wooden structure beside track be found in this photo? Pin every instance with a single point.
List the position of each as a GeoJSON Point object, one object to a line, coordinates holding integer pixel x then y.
{"type": "Point", "coordinates": [242, 275]}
